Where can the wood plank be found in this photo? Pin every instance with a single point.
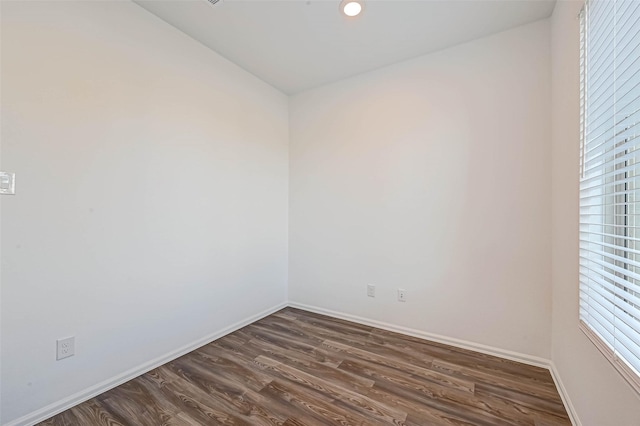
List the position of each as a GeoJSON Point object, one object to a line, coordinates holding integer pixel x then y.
{"type": "Point", "coordinates": [248, 408]}
{"type": "Point", "coordinates": [375, 409]}
{"type": "Point", "coordinates": [384, 364]}
{"type": "Point", "coordinates": [480, 375]}
{"type": "Point", "coordinates": [93, 412]}
{"type": "Point", "coordinates": [299, 403]}
{"type": "Point", "coordinates": [444, 398]}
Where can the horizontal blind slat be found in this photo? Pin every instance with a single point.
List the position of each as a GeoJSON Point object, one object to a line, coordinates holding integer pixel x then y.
{"type": "Point", "coordinates": [622, 351]}
{"type": "Point", "coordinates": [629, 325]}
{"type": "Point", "coordinates": [600, 277]}
{"type": "Point", "coordinates": [615, 258]}
{"type": "Point", "coordinates": [628, 250]}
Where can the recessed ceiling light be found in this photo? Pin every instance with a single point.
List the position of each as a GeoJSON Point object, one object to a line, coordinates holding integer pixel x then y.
{"type": "Point", "coordinates": [351, 8]}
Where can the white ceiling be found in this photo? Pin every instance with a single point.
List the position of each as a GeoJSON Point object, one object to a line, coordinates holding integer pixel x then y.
{"type": "Point", "coordinates": [295, 45]}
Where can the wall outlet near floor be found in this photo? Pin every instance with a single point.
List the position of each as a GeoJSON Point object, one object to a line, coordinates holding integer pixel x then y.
{"type": "Point", "coordinates": [65, 347]}
{"type": "Point", "coordinates": [402, 295]}
{"type": "Point", "coordinates": [371, 290]}
{"type": "Point", "coordinates": [7, 183]}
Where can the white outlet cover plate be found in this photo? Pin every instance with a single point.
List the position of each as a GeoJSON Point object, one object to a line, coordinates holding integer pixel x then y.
{"type": "Point", "coordinates": [371, 290]}
{"type": "Point", "coordinates": [7, 183]}
{"type": "Point", "coordinates": [65, 347]}
{"type": "Point", "coordinates": [402, 295]}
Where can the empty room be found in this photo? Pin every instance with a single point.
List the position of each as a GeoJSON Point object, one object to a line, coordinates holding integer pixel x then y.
{"type": "Point", "coordinates": [319, 212]}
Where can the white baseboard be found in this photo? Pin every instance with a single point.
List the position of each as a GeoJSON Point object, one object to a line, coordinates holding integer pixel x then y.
{"type": "Point", "coordinates": [84, 395]}
{"type": "Point", "coordinates": [477, 347]}
{"type": "Point", "coordinates": [571, 411]}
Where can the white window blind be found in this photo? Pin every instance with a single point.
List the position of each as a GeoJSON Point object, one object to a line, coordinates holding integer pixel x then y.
{"type": "Point", "coordinates": [610, 181]}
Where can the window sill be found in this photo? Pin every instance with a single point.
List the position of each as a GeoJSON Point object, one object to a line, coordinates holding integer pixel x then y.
{"type": "Point", "coordinates": [629, 375]}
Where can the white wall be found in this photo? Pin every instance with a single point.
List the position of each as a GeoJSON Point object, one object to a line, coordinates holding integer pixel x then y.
{"type": "Point", "coordinates": [598, 393]}
{"type": "Point", "coordinates": [152, 195]}
{"type": "Point", "coordinates": [432, 175]}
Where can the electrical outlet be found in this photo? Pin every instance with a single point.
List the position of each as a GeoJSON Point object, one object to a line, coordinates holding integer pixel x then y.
{"type": "Point", "coordinates": [402, 295]}
{"type": "Point", "coordinates": [7, 183]}
{"type": "Point", "coordinates": [66, 347]}
{"type": "Point", "coordinates": [371, 290]}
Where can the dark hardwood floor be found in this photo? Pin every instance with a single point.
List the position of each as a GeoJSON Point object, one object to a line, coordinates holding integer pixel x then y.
{"type": "Point", "coordinates": [297, 368]}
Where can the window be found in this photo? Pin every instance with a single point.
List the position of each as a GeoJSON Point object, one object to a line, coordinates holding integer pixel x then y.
{"type": "Point", "coordinates": [610, 181]}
